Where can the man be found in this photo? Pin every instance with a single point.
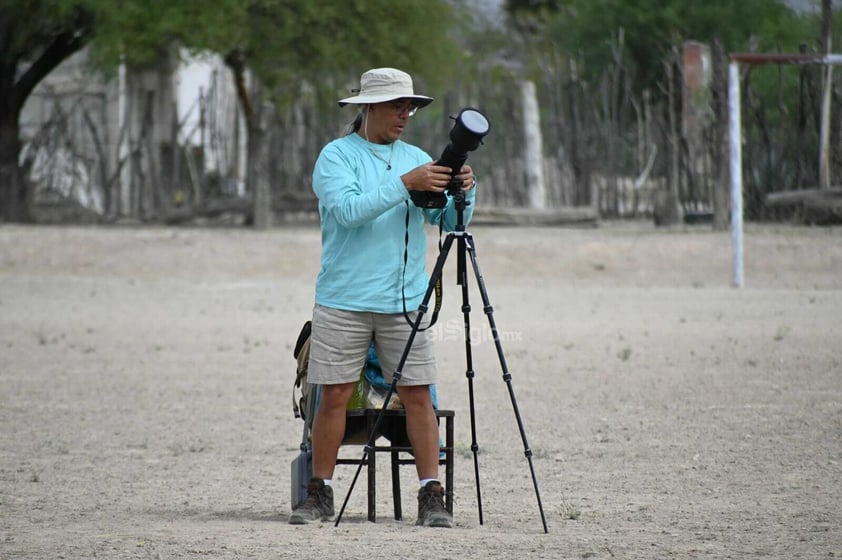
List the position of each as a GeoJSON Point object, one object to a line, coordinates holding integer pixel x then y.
{"type": "Point", "coordinates": [372, 269]}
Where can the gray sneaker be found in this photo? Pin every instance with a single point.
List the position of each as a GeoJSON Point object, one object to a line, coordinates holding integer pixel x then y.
{"type": "Point", "coordinates": [317, 506]}
{"type": "Point", "coordinates": [431, 510]}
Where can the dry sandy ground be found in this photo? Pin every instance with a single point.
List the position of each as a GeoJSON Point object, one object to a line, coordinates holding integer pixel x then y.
{"type": "Point", "coordinates": [145, 380]}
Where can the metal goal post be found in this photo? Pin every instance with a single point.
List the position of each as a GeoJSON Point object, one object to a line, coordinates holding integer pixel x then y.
{"type": "Point", "coordinates": [735, 138]}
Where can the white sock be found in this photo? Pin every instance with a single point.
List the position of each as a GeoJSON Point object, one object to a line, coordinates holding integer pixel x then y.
{"type": "Point", "coordinates": [426, 480]}
{"type": "Point", "coordinates": [328, 482]}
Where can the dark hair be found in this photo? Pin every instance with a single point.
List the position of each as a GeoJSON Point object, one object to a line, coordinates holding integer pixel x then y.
{"type": "Point", "coordinates": [356, 124]}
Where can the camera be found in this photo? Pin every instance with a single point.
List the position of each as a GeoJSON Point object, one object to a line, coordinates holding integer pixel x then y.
{"type": "Point", "coordinates": [465, 136]}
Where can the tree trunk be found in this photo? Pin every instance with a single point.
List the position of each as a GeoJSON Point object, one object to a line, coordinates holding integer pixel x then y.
{"type": "Point", "coordinates": [827, 89]}
{"type": "Point", "coordinates": [258, 163]}
{"type": "Point", "coordinates": [721, 170]}
{"type": "Point", "coordinates": [13, 191]}
{"type": "Point", "coordinates": [578, 155]}
{"type": "Point", "coordinates": [17, 84]}
{"type": "Point", "coordinates": [533, 152]}
{"type": "Point", "coordinates": [257, 156]}
{"type": "Point", "coordinates": [667, 209]}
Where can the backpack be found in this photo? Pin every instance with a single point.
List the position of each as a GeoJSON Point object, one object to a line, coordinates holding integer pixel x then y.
{"type": "Point", "coordinates": [369, 393]}
{"type": "Point", "coordinates": [363, 396]}
{"type": "Point", "coordinates": [301, 353]}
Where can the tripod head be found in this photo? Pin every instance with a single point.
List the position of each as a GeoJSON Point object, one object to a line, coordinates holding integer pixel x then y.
{"type": "Point", "coordinates": [454, 189]}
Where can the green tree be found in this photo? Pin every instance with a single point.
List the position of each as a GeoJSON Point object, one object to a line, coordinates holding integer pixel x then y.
{"type": "Point", "coordinates": [283, 42]}
{"type": "Point", "coordinates": [584, 28]}
{"type": "Point", "coordinates": [290, 43]}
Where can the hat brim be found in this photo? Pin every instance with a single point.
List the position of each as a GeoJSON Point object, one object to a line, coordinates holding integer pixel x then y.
{"type": "Point", "coordinates": [419, 100]}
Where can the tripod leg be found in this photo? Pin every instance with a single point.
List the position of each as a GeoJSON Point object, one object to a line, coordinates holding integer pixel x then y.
{"type": "Point", "coordinates": [396, 376]}
{"type": "Point", "coordinates": [507, 377]}
{"type": "Point", "coordinates": [462, 280]}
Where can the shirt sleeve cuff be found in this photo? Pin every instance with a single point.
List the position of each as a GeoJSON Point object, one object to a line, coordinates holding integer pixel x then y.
{"type": "Point", "coordinates": [400, 189]}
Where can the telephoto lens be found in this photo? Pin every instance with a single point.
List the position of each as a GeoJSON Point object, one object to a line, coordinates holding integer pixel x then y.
{"type": "Point", "coordinates": [466, 135]}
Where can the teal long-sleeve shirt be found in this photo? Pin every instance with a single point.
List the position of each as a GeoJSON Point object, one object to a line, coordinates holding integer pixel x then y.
{"type": "Point", "coordinates": [363, 208]}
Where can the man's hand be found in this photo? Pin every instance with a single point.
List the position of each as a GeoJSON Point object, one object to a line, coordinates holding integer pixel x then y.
{"type": "Point", "coordinates": [466, 177]}
{"type": "Point", "coordinates": [436, 178]}
{"type": "Point", "coordinates": [427, 177]}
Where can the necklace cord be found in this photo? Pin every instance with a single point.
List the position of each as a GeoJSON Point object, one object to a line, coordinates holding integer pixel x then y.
{"type": "Point", "coordinates": [388, 162]}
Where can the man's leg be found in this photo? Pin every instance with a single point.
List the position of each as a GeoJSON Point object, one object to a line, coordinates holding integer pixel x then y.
{"type": "Point", "coordinates": [423, 432]}
{"type": "Point", "coordinates": [338, 346]}
{"type": "Point", "coordinates": [419, 372]}
{"type": "Point", "coordinates": [422, 429]}
{"type": "Point", "coordinates": [328, 431]}
{"type": "Point", "coordinates": [329, 427]}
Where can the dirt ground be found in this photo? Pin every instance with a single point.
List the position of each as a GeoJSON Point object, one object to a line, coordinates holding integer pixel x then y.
{"type": "Point", "coordinates": [145, 382]}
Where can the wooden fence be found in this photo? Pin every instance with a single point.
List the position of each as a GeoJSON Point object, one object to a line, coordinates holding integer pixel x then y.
{"type": "Point", "coordinates": [606, 145]}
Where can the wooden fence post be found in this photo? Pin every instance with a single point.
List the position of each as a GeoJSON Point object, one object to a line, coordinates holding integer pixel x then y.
{"type": "Point", "coordinates": [533, 151]}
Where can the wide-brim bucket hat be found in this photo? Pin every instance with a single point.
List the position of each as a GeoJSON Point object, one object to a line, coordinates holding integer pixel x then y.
{"type": "Point", "coordinates": [385, 84]}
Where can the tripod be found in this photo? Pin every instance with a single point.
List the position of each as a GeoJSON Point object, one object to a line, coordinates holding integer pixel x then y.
{"type": "Point", "coordinates": [465, 248]}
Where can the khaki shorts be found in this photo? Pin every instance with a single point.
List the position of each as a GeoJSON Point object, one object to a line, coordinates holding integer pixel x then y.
{"type": "Point", "coordinates": [340, 341]}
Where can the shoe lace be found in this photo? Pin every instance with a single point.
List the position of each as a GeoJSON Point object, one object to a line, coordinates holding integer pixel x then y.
{"type": "Point", "coordinates": [432, 500]}
{"type": "Point", "coordinates": [315, 498]}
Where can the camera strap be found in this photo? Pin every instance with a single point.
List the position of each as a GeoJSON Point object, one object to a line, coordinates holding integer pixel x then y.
{"type": "Point", "coordinates": [434, 317]}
